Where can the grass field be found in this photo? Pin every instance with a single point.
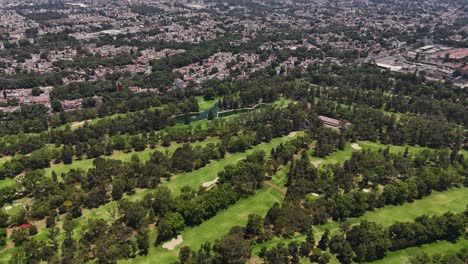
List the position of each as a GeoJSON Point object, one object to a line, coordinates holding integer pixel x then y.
{"type": "Point", "coordinates": [341, 156]}
{"type": "Point", "coordinates": [205, 105]}
{"type": "Point", "coordinates": [144, 155]}
{"type": "Point", "coordinates": [442, 247]}
{"type": "Point", "coordinates": [437, 203]}
{"type": "Point", "coordinates": [237, 215]}
{"type": "Point", "coordinates": [259, 203]}
{"type": "Point", "coordinates": [216, 227]}
{"type": "Point", "coordinates": [7, 182]}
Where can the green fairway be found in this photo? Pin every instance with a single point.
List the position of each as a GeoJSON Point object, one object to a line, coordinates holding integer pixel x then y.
{"type": "Point", "coordinates": [205, 105]}
{"type": "Point", "coordinates": [194, 179]}
{"type": "Point", "coordinates": [437, 203]}
{"type": "Point", "coordinates": [341, 156]}
{"type": "Point", "coordinates": [282, 101]}
{"type": "Point", "coordinates": [454, 200]}
{"type": "Point", "coordinates": [216, 227]}
{"type": "Point", "coordinates": [7, 182]}
{"type": "Point", "coordinates": [442, 247]}
{"type": "Point", "coordinates": [144, 155]}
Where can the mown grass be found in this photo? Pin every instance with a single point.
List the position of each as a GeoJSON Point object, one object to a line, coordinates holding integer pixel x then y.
{"type": "Point", "coordinates": [204, 105]}
{"type": "Point", "coordinates": [263, 200]}
{"type": "Point", "coordinates": [453, 200]}
{"type": "Point", "coordinates": [218, 226]}
{"type": "Point", "coordinates": [7, 182]}
{"type": "Point", "coordinates": [441, 247]}
{"type": "Point", "coordinates": [341, 156]}
{"type": "Point", "coordinates": [144, 155]}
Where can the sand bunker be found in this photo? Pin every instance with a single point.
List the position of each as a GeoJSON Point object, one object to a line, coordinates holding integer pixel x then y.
{"type": "Point", "coordinates": [316, 163]}
{"type": "Point", "coordinates": [209, 183]}
{"type": "Point", "coordinates": [292, 134]}
{"type": "Point", "coordinates": [173, 243]}
{"type": "Point", "coordinates": [8, 207]}
{"type": "Point", "coordinates": [366, 190]}
{"type": "Point", "coordinates": [77, 125]}
{"type": "Point", "coordinates": [356, 146]}
{"type": "Point", "coordinates": [315, 194]}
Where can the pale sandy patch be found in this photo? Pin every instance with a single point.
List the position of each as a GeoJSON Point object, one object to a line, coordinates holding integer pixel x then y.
{"type": "Point", "coordinates": [77, 124]}
{"type": "Point", "coordinates": [356, 146]}
{"type": "Point", "coordinates": [292, 134]}
{"type": "Point", "coordinates": [8, 207]}
{"type": "Point", "coordinates": [315, 194]}
{"type": "Point", "coordinates": [316, 163]}
{"type": "Point", "coordinates": [173, 243]}
{"type": "Point", "coordinates": [366, 190]}
{"type": "Point", "coordinates": [209, 183]}
{"type": "Point", "coordinates": [41, 224]}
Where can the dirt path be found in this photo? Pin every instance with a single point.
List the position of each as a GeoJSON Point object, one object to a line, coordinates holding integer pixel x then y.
{"type": "Point", "coordinates": [271, 185]}
{"type": "Point", "coordinates": [252, 260]}
{"type": "Point", "coordinates": [8, 247]}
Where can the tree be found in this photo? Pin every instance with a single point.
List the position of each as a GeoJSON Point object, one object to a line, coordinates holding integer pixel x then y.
{"type": "Point", "coordinates": [143, 240]}
{"type": "Point", "coordinates": [209, 94]}
{"type": "Point", "coordinates": [254, 225]}
{"type": "Point", "coordinates": [117, 189]}
{"type": "Point", "coordinates": [133, 213]}
{"type": "Point", "coordinates": [420, 258]}
{"type": "Point", "coordinates": [336, 242]}
{"type": "Point", "coordinates": [323, 243]}
{"type": "Point", "coordinates": [324, 258]}
{"type": "Point", "coordinates": [3, 218]}
{"type": "Point", "coordinates": [169, 226]}
{"type": "Point", "coordinates": [182, 159]}
{"type": "Point", "coordinates": [162, 201]}
{"type": "Point", "coordinates": [277, 255]}
{"type": "Point", "coordinates": [233, 248]}
{"type": "Point", "coordinates": [185, 255]}
{"type": "Point", "coordinates": [346, 254]}
{"type": "Point", "coordinates": [3, 237]}
{"type": "Point", "coordinates": [36, 91]}
{"type": "Point", "coordinates": [88, 102]}
{"type": "Point", "coordinates": [210, 114]}
{"type": "Point", "coordinates": [369, 241]}
{"type": "Point", "coordinates": [31, 180]}
{"type": "Point", "coordinates": [19, 236]}
{"type": "Point", "coordinates": [67, 154]}
{"type": "Point", "coordinates": [32, 230]}
{"type": "Point", "coordinates": [53, 237]}
{"type": "Point", "coordinates": [305, 248]}
{"type": "Point", "coordinates": [56, 106]}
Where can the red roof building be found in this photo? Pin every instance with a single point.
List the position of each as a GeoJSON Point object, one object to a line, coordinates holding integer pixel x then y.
{"type": "Point", "coordinates": [24, 226]}
{"type": "Point", "coordinates": [330, 121]}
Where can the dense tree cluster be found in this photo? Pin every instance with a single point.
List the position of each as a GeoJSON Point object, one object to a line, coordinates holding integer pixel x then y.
{"type": "Point", "coordinates": [404, 179]}
{"type": "Point", "coordinates": [440, 258]}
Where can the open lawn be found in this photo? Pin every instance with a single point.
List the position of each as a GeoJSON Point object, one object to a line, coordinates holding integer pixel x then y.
{"type": "Point", "coordinates": [216, 227]}
{"type": "Point", "coordinates": [437, 203]}
{"type": "Point", "coordinates": [205, 105]}
{"type": "Point", "coordinates": [341, 156]}
{"type": "Point", "coordinates": [7, 182]}
{"type": "Point", "coordinates": [283, 101]}
{"type": "Point", "coordinates": [442, 247]}
{"type": "Point", "coordinates": [263, 200]}
{"type": "Point", "coordinates": [144, 155]}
